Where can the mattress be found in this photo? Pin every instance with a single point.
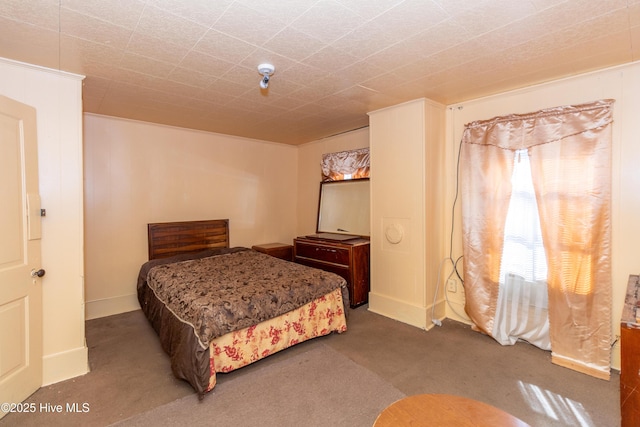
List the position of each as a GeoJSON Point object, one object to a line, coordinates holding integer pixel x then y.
{"type": "Point", "coordinates": [221, 309]}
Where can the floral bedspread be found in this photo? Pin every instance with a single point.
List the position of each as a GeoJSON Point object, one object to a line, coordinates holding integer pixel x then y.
{"type": "Point", "coordinates": [225, 293]}
{"type": "Point", "coordinates": [240, 348]}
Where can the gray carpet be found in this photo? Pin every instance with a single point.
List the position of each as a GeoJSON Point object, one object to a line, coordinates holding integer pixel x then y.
{"type": "Point", "coordinates": [319, 387]}
{"type": "Point", "coordinates": [131, 375]}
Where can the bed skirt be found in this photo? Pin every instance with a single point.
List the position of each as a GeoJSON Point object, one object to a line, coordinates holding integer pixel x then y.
{"type": "Point", "coordinates": [240, 348]}
{"type": "Point", "coordinates": [198, 365]}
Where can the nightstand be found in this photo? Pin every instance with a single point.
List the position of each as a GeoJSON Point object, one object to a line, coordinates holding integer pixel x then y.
{"type": "Point", "coordinates": [278, 250]}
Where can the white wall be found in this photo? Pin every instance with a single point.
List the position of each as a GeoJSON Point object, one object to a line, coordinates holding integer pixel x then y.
{"type": "Point", "coordinates": [137, 173]}
{"type": "Point", "coordinates": [406, 162]}
{"type": "Point", "coordinates": [57, 98]}
{"type": "Point", "coordinates": [620, 83]}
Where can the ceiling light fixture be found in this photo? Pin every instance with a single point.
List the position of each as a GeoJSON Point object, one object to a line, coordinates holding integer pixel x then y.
{"type": "Point", "coordinates": [266, 70]}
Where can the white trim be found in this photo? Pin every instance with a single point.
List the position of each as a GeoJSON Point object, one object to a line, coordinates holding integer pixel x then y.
{"type": "Point", "coordinates": [110, 306]}
{"type": "Point", "coordinates": [399, 310]}
{"type": "Point", "coordinates": [40, 68]}
{"type": "Point", "coordinates": [65, 365]}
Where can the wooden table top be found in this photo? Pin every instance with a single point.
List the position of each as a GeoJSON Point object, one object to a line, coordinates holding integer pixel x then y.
{"type": "Point", "coordinates": [444, 410]}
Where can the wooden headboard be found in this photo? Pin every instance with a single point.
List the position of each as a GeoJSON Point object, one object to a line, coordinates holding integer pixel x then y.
{"type": "Point", "coordinates": [172, 238]}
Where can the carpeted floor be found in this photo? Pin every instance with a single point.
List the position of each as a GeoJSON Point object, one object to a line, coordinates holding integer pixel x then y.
{"type": "Point", "coordinates": [131, 382]}
{"type": "Point", "coordinates": [317, 387]}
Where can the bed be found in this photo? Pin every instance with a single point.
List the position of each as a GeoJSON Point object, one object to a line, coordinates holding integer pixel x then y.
{"type": "Point", "coordinates": [217, 309]}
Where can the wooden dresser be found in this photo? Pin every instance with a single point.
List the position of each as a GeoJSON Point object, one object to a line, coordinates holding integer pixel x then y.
{"type": "Point", "coordinates": [629, 351]}
{"type": "Point", "coordinates": [348, 258]}
{"type": "Point", "coordinates": [629, 375]}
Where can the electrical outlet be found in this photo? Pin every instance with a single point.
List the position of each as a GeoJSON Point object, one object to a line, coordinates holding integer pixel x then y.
{"type": "Point", "coordinates": [452, 286]}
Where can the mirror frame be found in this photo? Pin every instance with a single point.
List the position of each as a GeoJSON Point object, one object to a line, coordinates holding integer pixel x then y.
{"type": "Point", "coordinates": [345, 182]}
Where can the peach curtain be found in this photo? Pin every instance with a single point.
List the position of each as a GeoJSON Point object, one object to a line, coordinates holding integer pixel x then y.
{"type": "Point", "coordinates": [570, 153]}
{"type": "Point", "coordinates": [342, 165]}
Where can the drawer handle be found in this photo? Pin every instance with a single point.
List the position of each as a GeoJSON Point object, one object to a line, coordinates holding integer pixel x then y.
{"type": "Point", "coordinates": [326, 250]}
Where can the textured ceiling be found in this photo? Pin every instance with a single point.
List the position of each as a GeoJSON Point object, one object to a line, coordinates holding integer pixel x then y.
{"type": "Point", "coordinates": [193, 63]}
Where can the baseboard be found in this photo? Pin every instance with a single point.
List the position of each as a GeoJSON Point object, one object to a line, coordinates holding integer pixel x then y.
{"type": "Point", "coordinates": [65, 365]}
{"type": "Point", "coordinates": [454, 309]}
{"type": "Point", "coordinates": [110, 306]}
{"type": "Point", "coordinates": [399, 310]}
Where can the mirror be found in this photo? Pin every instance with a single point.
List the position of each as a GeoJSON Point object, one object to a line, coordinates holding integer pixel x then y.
{"type": "Point", "coordinates": [344, 207]}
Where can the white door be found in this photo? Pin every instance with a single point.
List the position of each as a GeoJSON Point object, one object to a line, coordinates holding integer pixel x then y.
{"type": "Point", "coordinates": [20, 290]}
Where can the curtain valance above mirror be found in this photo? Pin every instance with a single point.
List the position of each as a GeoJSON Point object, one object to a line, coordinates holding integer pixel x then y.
{"type": "Point", "coordinates": [351, 164]}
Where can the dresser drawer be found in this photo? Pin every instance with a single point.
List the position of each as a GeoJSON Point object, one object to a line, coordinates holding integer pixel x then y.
{"type": "Point", "coordinates": [349, 259]}
{"type": "Point", "coordinates": [340, 270]}
{"type": "Point", "coordinates": [323, 253]}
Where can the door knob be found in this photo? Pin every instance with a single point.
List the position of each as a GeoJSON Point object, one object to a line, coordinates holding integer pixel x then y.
{"type": "Point", "coordinates": [38, 273]}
